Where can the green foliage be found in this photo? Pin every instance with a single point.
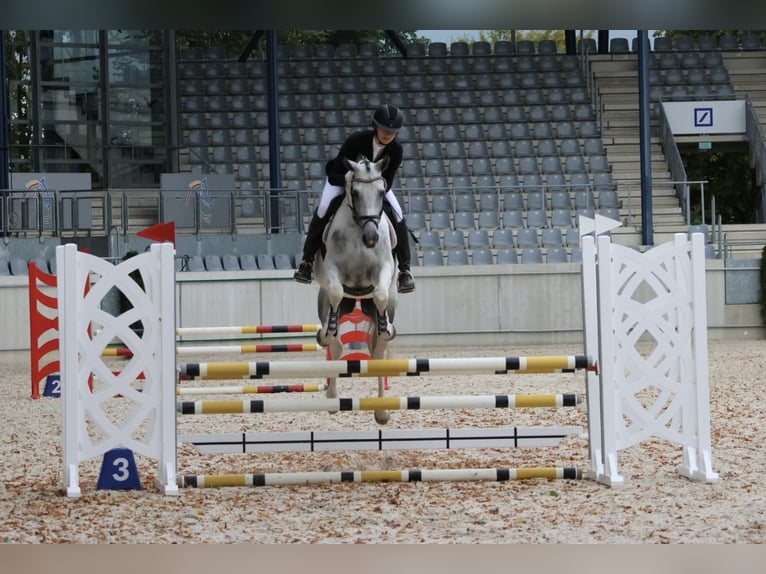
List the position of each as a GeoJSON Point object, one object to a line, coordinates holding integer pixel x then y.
{"type": "Point", "coordinates": [730, 179]}
{"type": "Point", "coordinates": [234, 41]}
{"type": "Point", "coordinates": [697, 33]}
{"type": "Point", "coordinates": [535, 36]}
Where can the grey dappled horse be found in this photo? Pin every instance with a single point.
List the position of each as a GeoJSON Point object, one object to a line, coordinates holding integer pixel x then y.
{"type": "Point", "coordinates": [357, 263]}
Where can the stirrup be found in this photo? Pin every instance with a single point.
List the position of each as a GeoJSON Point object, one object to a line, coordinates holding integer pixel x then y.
{"type": "Point", "coordinates": [304, 271]}
{"type": "Point", "coordinates": [405, 282]}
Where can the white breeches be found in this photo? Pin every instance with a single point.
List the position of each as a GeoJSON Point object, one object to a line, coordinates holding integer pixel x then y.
{"type": "Point", "coordinates": [330, 192]}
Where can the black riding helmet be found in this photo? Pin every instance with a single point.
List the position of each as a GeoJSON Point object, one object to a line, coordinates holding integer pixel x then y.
{"type": "Point", "coordinates": [389, 117]}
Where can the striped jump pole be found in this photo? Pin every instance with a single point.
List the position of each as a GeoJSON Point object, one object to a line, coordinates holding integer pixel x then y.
{"type": "Point", "coordinates": [378, 403]}
{"type": "Point", "coordinates": [413, 475]}
{"type": "Point", "coordinates": [380, 439]}
{"type": "Point", "coordinates": [387, 367]}
{"type": "Point", "coordinates": [247, 330]}
{"type": "Point", "coordinates": [255, 389]}
{"type": "Point", "coordinates": [225, 349]}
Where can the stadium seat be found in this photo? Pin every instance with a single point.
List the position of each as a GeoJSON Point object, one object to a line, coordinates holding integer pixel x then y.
{"type": "Point", "coordinates": [531, 255]}
{"type": "Point", "coordinates": [507, 256]}
{"type": "Point", "coordinates": [433, 257]}
{"type": "Point", "coordinates": [457, 257]}
{"type": "Point", "coordinates": [482, 257]}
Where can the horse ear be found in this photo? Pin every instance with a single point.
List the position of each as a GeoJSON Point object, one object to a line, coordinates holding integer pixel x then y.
{"type": "Point", "coordinates": [347, 163]}
{"type": "Point", "coordinates": [382, 163]}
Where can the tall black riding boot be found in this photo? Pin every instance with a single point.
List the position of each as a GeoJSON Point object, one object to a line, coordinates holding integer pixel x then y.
{"type": "Point", "coordinates": [310, 246]}
{"type": "Point", "coordinates": [406, 282]}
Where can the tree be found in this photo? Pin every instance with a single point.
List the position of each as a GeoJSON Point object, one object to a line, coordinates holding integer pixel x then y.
{"type": "Point", "coordinates": [234, 41]}
{"type": "Point", "coordinates": [535, 36]}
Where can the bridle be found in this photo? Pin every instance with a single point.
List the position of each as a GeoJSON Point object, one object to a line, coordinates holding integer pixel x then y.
{"type": "Point", "coordinates": [363, 220]}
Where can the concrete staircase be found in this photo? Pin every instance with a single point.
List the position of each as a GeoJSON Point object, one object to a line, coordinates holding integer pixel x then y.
{"type": "Point", "coordinates": [615, 78]}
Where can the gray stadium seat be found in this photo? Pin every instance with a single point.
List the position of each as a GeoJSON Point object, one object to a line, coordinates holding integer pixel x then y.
{"type": "Point", "coordinates": [464, 220]}
{"type": "Point", "coordinates": [433, 257]}
{"type": "Point", "coordinates": [572, 237]}
{"type": "Point", "coordinates": [531, 255]}
{"type": "Point", "coordinates": [551, 237]}
{"type": "Point", "coordinates": [264, 261]}
{"type": "Point", "coordinates": [429, 239]}
{"type": "Point", "coordinates": [230, 263]}
{"type": "Point", "coordinates": [561, 218]}
{"type": "Point", "coordinates": [482, 257]}
{"type": "Point", "coordinates": [440, 220]}
{"type": "Point", "coordinates": [283, 261]}
{"type": "Point", "coordinates": [416, 221]}
{"type": "Point", "coordinates": [556, 255]}
{"type": "Point", "coordinates": [248, 262]}
{"type": "Point", "coordinates": [507, 256]}
{"type": "Point", "coordinates": [441, 201]}
{"type": "Point", "coordinates": [619, 46]}
{"type": "Point", "coordinates": [457, 257]}
{"type": "Point", "coordinates": [527, 237]}
{"type": "Point", "coordinates": [502, 237]}
{"type": "Point", "coordinates": [537, 218]}
{"type": "Point", "coordinates": [478, 239]}
{"type": "Point", "coordinates": [195, 263]}
{"type": "Point", "coordinates": [454, 239]}
{"type": "Point", "coordinates": [213, 263]}
{"type": "Point", "coordinates": [513, 218]}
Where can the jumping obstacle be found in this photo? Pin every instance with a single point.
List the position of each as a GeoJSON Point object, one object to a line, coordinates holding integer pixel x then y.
{"type": "Point", "coordinates": [225, 349]}
{"type": "Point", "coordinates": [43, 328]}
{"type": "Point", "coordinates": [387, 367]}
{"type": "Point", "coordinates": [44, 336]}
{"type": "Point", "coordinates": [253, 389]}
{"type": "Point", "coordinates": [247, 330]}
{"type": "Point", "coordinates": [354, 334]}
{"type": "Point", "coordinates": [379, 403]}
{"type": "Point", "coordinates": [414, 475]}
{"type": "Point", "coordinates": [618, 308]}
{"type": "Point", "coordinates": [381, 439]}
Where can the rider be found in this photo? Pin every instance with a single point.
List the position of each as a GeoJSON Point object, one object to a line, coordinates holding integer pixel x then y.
{"type": "Point", "coordinates": [373, 144]}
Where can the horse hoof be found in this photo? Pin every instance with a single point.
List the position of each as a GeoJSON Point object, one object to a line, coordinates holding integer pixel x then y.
{"type": "Point", "coordinates": [388, 334]}
{"type": "Point", "coordinates": [381, 417]}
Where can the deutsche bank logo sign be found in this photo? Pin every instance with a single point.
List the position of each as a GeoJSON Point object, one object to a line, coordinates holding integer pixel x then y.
{"type": "Point", "coordinates": [703, 117]}
{"type": "Point", "coordinates": [700, 117]}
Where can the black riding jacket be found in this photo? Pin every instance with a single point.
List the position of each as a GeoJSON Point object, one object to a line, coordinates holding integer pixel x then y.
{"type": "Point", "coordinates": [360, 143]}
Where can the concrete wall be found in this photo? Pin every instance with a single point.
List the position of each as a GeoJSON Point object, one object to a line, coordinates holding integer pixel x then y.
{"type": "Point", "coordinates": [498, 304]}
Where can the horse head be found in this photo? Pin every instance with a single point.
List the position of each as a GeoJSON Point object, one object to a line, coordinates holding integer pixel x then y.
{"type": "Point", "coordinates": [365, 189]}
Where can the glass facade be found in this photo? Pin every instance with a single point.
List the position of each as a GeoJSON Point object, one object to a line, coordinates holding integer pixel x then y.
{"type": "Point", "coordinates": [89, 101]}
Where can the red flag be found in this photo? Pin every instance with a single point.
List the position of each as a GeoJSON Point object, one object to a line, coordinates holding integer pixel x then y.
{"type": "Point", "coordinates": [161, 232]}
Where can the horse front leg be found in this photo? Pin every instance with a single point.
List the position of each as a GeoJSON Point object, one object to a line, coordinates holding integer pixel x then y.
{"type": "Point", "coordinates": [334, 298]}
{"type": "Point", "coordinates": [382, 416]}
{"type": "Point", "coordinates": [385, 327]}
{"type": "Point", "coordinates": [379, 350]}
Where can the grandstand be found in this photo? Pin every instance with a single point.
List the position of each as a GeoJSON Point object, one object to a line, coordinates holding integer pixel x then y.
{"type": "Point", "coordinates": [484, 121]}
{"type": "Point", "coordinates": [505, 144]}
